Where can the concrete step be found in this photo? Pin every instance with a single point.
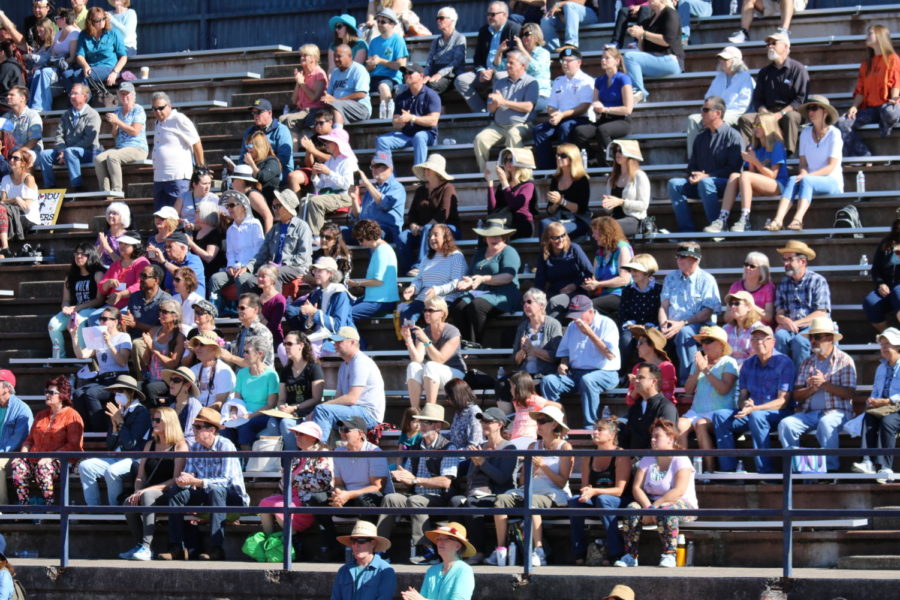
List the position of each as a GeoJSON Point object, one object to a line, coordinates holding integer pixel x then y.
{"type": "Point", "coordinates": [889, 522]}
{"type": "Point", "coordinates": [869, 562]}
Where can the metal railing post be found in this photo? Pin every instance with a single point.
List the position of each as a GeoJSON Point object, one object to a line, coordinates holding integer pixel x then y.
{"type": "Point", "coordinates": [64, 513]}
{"type": "Point", "coordinates": [787, 503]}
{"type": "Point", "coordinates": [287, 530]}
{"type": "Point", "coordinates": [527, 518]}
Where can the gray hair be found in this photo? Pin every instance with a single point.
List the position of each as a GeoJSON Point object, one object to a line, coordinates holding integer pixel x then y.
{"type": "Point", "coordinates": [501, 4]}
{"type": "Point", "coordinates": [449, 12]}
{"type": "Point", "coordinates": [537, 295]}
{"type": "Point", "coordinates": [716, 103]}
{"type": "Point", "coordinates": [738, 65]}
{"type": "Point", "coordinates": [8, 386]}
{"type": "Point", "coordinates": [175, 307]}
{"type": "Point", "coordinates": [208, 212]}
{"type": "Point", "coordinates": [762, 261]}
{"type": "Point", "coordinates": [160, 96]}
{"type": "Point", "coordinates": [519, 56]}
{"type": "Point", "coordinates": [123, 210]}
{"type": "Point", "coordinates": [259, 344]}
{"type": "Point", "coordinates": [85, 89]}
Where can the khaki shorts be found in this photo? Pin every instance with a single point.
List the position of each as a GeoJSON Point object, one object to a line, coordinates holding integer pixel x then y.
{"type": "Point", "coordinates": [772, 8]}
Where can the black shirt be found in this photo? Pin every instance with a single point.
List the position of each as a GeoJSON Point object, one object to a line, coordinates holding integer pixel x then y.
{"type": "Point", "coordinates": [777, 87]}
{"type": "Point", "coordinates": [299, 389]}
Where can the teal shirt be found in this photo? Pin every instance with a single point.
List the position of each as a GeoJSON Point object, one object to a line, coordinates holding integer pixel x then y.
{"type": "Point", "coordinates": [457, 584]}
{"type": "Point", "coordinates": [706, 398]}
{"type": "Point", "coordinates": [255, 390]}
{"type": "Point", "coordinates": [3, 419]}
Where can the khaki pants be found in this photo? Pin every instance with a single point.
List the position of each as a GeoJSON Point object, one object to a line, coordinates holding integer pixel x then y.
{"type": "Point", "coordinates": [109, 166]}
{"type": "Point", "coordinates": [314, 208]}
{"type": "Point", "coordinates": [493, 134]}
{"type": "Point", "coordinates": [138, 348]}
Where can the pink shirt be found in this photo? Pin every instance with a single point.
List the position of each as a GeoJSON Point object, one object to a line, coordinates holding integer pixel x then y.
{"type": "Point", "coordinates": [762, 296]}
{"type": "Point", "coordinates": [523, 425]}
{"type": "Point", "coordinates": [302, 100]}
{"type": "Point", "coordinates": [130, 276]}
{"type": "Point", "coordinates": [657, 483]}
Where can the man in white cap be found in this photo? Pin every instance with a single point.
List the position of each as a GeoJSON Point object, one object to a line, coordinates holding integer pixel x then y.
{"type": "Point", "coordinates": [823, 391]}
{"type": "Point", "coordinates": [360, 388]}
{"type": "Point", "coordinates": [369, 576]}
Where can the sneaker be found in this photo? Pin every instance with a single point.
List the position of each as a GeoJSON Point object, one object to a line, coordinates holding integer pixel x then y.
{"type": "Point", "coordinates": [538, 558]}
{"type": "Point", "coordinates": [786, 32]}
{"type": "Point", "coordinates": [627, 560]}
{"type": "Point", "coordinates": [865, 466]}
{"type": "Point", "coordinates": [142, 553]}
{"type": "Point", "coordinates": [638, 97]}
{"type": "Point", "coordinates": [738, 37]}
{"type": "Point", "coordinates": [667, 560]}
{"type": "Point", "coordinates": [884, 475]}
{"type": "Point", "coordinates": [715, 227]}
{"type": "Point", "coordinates": [497, 557]}
{"type": "Point", "coordinates": [129, 553]}
{"type": "Point", "coordinates": [741, 225]}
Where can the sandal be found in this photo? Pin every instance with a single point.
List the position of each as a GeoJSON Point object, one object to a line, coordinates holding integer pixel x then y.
{"type": "Point", "coordinates": [796, 225]}
{"type": "Point", "coordinates": [772, 226]}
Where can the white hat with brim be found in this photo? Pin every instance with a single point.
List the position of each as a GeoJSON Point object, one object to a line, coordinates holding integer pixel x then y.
{"type": "Point", "coordinates": [495, 228]}
{"type": "Point", "coordinates": [436, 163]}
{"type": "Point", "coordinates": [186, 374]}
{"type": "Point", "coordinates": [822, 325]}
{"type": "Point", "coordinates": [891, 334]}
{"type": "Point", "coordinates": [553, 412]}
{"type": "Point", "coordinates": [289, 200]}
{"type": "Point", "coordinates": [244, 172]}
{"type": "Point", "coordinates": [745, 297]}
{"type": "Point", "coordinates": [127, 239]}
{"type": "Point", "coordinates": [364, 529]}
{"type": "Point", "coordinates": [432, 412]}
{"type": "Point", "coordinates": [635, 266]}
{"type": "Point", "coordinates": [629, 148]}
{"type": "Point", "coordinates": [522, 158]}
{"type": "Point", "coordinates": [309, 428]}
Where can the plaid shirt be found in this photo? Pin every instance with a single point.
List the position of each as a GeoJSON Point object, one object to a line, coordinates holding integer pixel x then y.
{"type": "Point", "coordinates": [839, 370]}
{"type": "Point", "coordinates": [448, 468]}
{"type": "Point", "coordinates": [218, 471]}
{"type": "Point", "coordinates": [797, 299]}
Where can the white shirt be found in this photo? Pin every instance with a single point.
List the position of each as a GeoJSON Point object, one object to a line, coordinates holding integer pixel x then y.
{"type": "Point", "coordinates": [243, 240]}
{"type": "Point", "coordinates": [817, 155]}
{"type": "Point", "coordinates": [567, 93]}
{"type": "Point", "coordinates": [341, 176]}
{"type": "Point", "coordinates": [173, 148]}
{"type": "Point", "coordinates": [26, 193]}
{"type": "Point", "coordinates": [223, 382]}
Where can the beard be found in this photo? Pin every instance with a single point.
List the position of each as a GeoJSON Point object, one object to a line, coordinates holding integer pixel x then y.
{"type": "Point", "coordinates": [772, 54]}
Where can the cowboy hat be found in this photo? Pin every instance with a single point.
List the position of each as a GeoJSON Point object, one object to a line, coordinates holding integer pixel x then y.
{"type": "Point", "coordinates": [656, 337]}
{"type": "Point", "coordinates": [368, 530]}
{"type": "Point", "coordinates": [457, 532]}
{"type": "Point", "coordinates": [432, 412]}
{"type": "Point", "coordinates": [798, 247]}
{"type": "Point", "coordinates": [831, 113]}
{"type": "Point", "coordinates": [822, 325]}
{"type": "Point", "coordinates": [436, 163]}
{"type": "Point", "coordinates": [715, 332]}
{"type": "Point", "coordinates": [553, 412]}
{"type": "Point", "coordinates": [209, 416]}
{"type": "Point", "coordinates": [495, 228]}
{"type": "Point", "coordinates": [186, 374]}
{"type": "Point", "coordinates": [629, 148]}
{"type": "Point", "coordinates": [127, 382]}
{"type": "Point", "coordinates": [521, 157]}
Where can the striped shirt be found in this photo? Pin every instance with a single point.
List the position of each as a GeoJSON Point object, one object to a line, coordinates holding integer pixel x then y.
{"type": "Point", "coordinates": [441, 273]}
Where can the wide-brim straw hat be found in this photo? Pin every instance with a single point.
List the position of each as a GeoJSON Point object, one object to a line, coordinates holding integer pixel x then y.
{"type": "Point", "coordinates": [432, 412]}
{"type": "Point", "coordinates": [495, 228]}
{"type": "Point", "coordinates": [186, 374]}
{"type": "Point", "coordinates": [630, 148]}
{"type": "Point", "coordinates": [436, 163]}
{"type": "Point", "coordinates": [747, 298]}
{"type": "Point", "coordinates": [368, 530]}
{"type": "Point", "coordinates": [126, 382]}
{"type": "Point", "coordinates": [717, 333]}
{"type": "Point", "coordinates": [210, 416]}
{"type": "Point", "coordinates": [656, 337]}
{"type": "Point", "coordinates": [822, 325]}
{"type": "Point", "coordinates": [830, 111]}
{"type": "Point", "coordinates": [521, 157]}
{"type": "Point", "coordinates": [798, 247]}
{"type": "Point", "coordinates": [204, 338]}
{"type": "Point", "coordinates": [553, 412]}
{"type": "Point", "coordinates": [456, 531]}
{"type": "Point", "coordinates": [620, 591]}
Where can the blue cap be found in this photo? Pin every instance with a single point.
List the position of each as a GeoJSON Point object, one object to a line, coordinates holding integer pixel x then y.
{"type": "Point", "coordinates": [261, 104]}
{"type": "Point", "coordinates": [383, 158]}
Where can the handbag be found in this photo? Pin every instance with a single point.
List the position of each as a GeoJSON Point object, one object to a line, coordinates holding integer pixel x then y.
{"type": "Point", "coordinates": [254, 546]}
{"type": "Point", "coordinates": [883, 411]}
{"type": "Point", "coordinates": [808, 463]}
{"type": "Point", "coordinates": [265, 443]}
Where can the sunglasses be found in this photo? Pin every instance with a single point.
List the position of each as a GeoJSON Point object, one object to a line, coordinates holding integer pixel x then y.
{"type": "Point", "coordinates": [177, 279]}
{"type": "Point", "coordinates": [556, 238]}
{"type": "Point", "coordinates": [51, 392]}
{"type": "Point", "coordinates": [105, 319]}
{"type": "Point", "coordinates": [735, 303]}
{"type": "Point", "coordinates": [440, 18]}
{"type": "Point", "coordinates": [339, 26]}
{"type": "Point", "coordinates": [360, 540]}
{"type": "Point", "coordinates": [159, 108]}
{"type": "Point", "coordinates": [327, 238]}
{"type": "Point", "coordinates": [197, 426]}
{"type": "Point", "coordinates": [156, 420]}
{"type": "Point", "coordinates": [384, 22]}
{"type": "Point", "coordinates": [97, 21]}
{"type": "Point", "coordinates": [707, 109]}
{"type": "Point", "coordinates": [750, 266]}
{"type": "Point", "coordinates": [813, 108]}
{"type": "Point", "coordinates": [255, 113]}
{"type": "Point", "coordinates": [543, 421]}
{"type": "Point", "coordinates": [494, 14]}
{"type": "Point", "coordinates": [321, 122]}
{"type": "Point", "coordinates": [821, 336]}
{"type": "Point", "coordinates": [432, 310]}
{"type": "Point", "coordinates": [525, 35]}
{"type": "Point", "coordinates": [245, 307]}
{"type": "Point", "coordinates": [166, 312]}
{"type": "Point", "coordinates": [530, 301]}
{"type": "Point", "coordinates": [563, 156]}
{"type": "Point", "coordinates": [15, 158]}
{"type": "Point", "coordinates": [706, 341]}
{"type": "Point", "coordinates": [176, 380]}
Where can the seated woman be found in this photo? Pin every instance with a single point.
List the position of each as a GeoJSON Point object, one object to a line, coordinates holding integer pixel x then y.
{"type": "Point", "coordinates": [820, 163]}
{"type": "Point", "coordinates": [549, 486]}
{"type": "Point", "coordinates": [442, 268]}
{"type": "Point", "coordinates": [41, 51]}
{"type": "Point", "coordinates": [609, 277]}
{"type": "Point", "coordinates": [758, 282]}
{"type": "Point", "coordinates": [310, 82]}
{"type": "Point", "coordinates": [612, 106]}
{"type": "Point", "coordinates": [660, 51]}
{"type": "Point", "coordinates": [562, 269]}
{"type": "Point", "coordinates": [272, 303]}
{"type": "Point", "coordinates": [81, 296]}
{"type": "Point", "coordinates": [62, 54]}
{"type": "Point", "coordinates": [514, 198]}
{"type": "Point", "coordinates": [525, 402]}
{"type": "Point", "coordinates": [765, 172]}
{"type": "Point", "coordinates": [380, 284]}
{"type": "Point", "coordinates": [101, 53]}
{"type": "Point", "coordinates": [452, 578]}
{"type": "Point", "coordinates": [876, 93]}
{"type": "Point", "coordinates": [183, 391]}
{"type": "Point", "coordinates": [346, 32]}
{"type": "Point", "coordinates": [129, 422]}
{"type": "Point", "coordinates": [257, 388]}
{"type": "Point", "coordinates": [331, 244]}
{"type": "Point", "coordinates": [166, 222]}
{"type": "Point", "coordinates": [332, 181]}
{"type": "Point", "coordinates": [118, 220]}
{"type": "Point", "coordinates": [631, 11]}
{"type": "Point", "coordinates": [327, 309]}
{"type": "Point", "coordinates": [185, 282]}
{"type": "Point", "coordinates": [434, 353]}
{"type": "Point", "coordinates": [112, 360]}
{"type": "Point", "coordinates": [492, 285]}
{"type": "Point", "coordinates": [882, 421]}
{"type": "Point", "coordinates": [743, 314]}
{"type": "Point", "coordinates": [640, 303]}
{"type": "Point", "coordinates": [243, 240]}
{"type": "Point", "coordinates": [244, 183]}
{"type": "Point", "coordinates": [465, 428]}
{"type": "Point", "coordinates": [410, 24]}
{"type": "Point", "coordinates": [265, 168]}
{"type": "Point", "coordinates": [885, 298]}
{"type": "Point", "coordinates": [447, 54]}
{"type": "Point", "coordinates": [301, 383]}
{"type": "Point", "coordinates": [123, 278]}
{"type": "Point", "coordinates": [651, 349]}
{"type": "Point", "coordinates": [19, 208]}
{"type": "Point", "coordinates": [154, 476]}
{"type": "Point", "coordinates": [188, 204]}
{"type": "Point", "coordinates": [208, 239]}
{"type": "Point", "coordinates": [570, 193]}
{"type": "Point", "coordinates": [215, 379]}
{"type": "Point", "coordinates": [123, 19]}
{"type": "Point", "coordinates": [713, 382]}
{"type": "Point", "coordinates": [604, 485]}
{"type": "Point", "coordinates": [58, 428]}
{"type": "Point", "coordinates": [163, 348]}
{"type": "Point", "coordinates": [434, 201]}
{"type": "Point", "coordinates": [129, 131]}
{"type": "Point", "coordinates": [628, 187]}
{"type": "Point", "coordinates": [537, 336]}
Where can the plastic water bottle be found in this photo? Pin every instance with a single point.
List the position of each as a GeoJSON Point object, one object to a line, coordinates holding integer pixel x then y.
{"type": "Point", "coordinates": [584, 158]}
{"type": "Point", "coordinates": [501, 374]}
{"type": "Point", "coordinates": [607, 413]}
{"type": "Point", "coordinates": [740, 467]}
{"type": "Point", "coordinates": [511, 555]}
{"type": "Point", "coordinates": [689, 560]}
{"type": "Point", "coordinates": [382, 110]}
{"type": "Point", "coordinates": [286, 109]}
{"type": "Point", "coordinates": [390, 109]}
{"type": "Point", "coordinates": [733, 9]}
{"type": "Point", "coordinates": [480, 224]}
{"type": "Point", "coordinates": [860, 182]}
{"type": "Point", "coordinates": [863, 265]}
{"type": "Point", "coordinates": [698, 465]}
{"type": "Point", "coordinates": [526, 268]}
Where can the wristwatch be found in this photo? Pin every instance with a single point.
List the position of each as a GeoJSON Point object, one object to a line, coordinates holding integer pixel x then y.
{"type": "Point", "coordinates": [415, 481]}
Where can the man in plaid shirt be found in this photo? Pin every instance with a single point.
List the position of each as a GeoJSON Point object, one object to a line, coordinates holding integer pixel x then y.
{"type": "Point", "coordinates": [823, 391]}
{"type": "Point", "coordinates": [800, 297]}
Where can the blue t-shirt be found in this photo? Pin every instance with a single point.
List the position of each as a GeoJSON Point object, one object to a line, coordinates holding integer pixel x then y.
{"type": "Point", "coordinates": [424, 103]}
{"type": "Point", "coordinates": [354, 79]}
{"type": "Point", "coordinates": [770, 159]}
{"type": "Point", "coordinates": [611, 94]}
{"type": "Point", "coordinates": [389, 212]}
{"type": "Point", "coordinates": [103, 52]}
{"type": "Point", "coordinates": [390, 48]}
{"type": "Point", "coordinates": [383, 267]}
{"type": "Point", "coordinates": [135, 115]}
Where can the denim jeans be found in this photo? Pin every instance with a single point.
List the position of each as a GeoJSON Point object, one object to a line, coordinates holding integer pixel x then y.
{"type": "Point", "coordinates": [165, 193]}
{"type": "Point", "coordinates": [684, 346]}
{"type": "Point", "coordinates": [56, 328]}
{"type": "Point", "coordinates": [590, 384]}
{"type": "Point", "coordinates": [759, 423]}
{"type": "Point", "coordinates": [544, 134]}
{"type": "Point", "coordinates": [363, 309]}
{"type": "Point", "coordinates": [572, 17]}
{"type": "Point", "coordinates": [887, 115]}
{"type": "Point", "coordinates": [213, 495]}
{"type": "Point", "coordinates": [614, 545]}
{"type": "Point", "coordinates": [877, 308]}
{"type": "Point", "coordinates": [397, 139]}
{"type": "Point", "coordinates": [73, 159]}
{"type": "Point", "coordinates": [708, 189]}
{"type": "Point", "coordinates": [793, 344]}
{"type": "Point", "coordinates": [113, 470]}
{"type": "Point", "coordinates": [692, 8]}
{"type": "Point", "coordinates": [827, 425]}
{"type": "Point", "coordinates": [574, 227]}
{"type": "Point", "coordinates": [640, 64]}
{"type": "Point", "coordinates": [326, 416]}
{"type": "Point", "coordinates": [809, 186]}
{"type": "Point", "coordinates": [42, 89]}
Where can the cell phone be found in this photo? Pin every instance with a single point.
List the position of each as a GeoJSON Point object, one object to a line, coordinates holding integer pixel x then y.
{"type": "Point", "coordinates": [491, 167]}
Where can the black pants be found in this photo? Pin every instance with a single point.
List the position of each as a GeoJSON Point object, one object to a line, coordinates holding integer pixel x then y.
{"type": "Point", "coordinates": [623, 18]}
{"type": "Point", "coordinates": [470, 317]}
{"type": "Point", "coordinates": [604, 131]}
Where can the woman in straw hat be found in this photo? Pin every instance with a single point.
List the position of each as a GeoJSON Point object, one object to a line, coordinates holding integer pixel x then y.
{"type": "Point", "coordinates": [640, 303]}
{"type": "Point", "coordinates": [452, 578]}
{"type": "Point", "coordinates": [183, 388]}
{"type": "Point", "coordinates": [651, 348]}
{"type": "Point", "coordinates": [434, 201]}
{"type": "Point", "coordinates": [368, 576]}
{"type": "Point", "coordinates": [741, 314]}
{"type": "Point", "coordinates": [154, 476]}
{"type": "Point", "coordinates": [628, 187]}
{"type": "Point", "coordinates": [821, 148]}
{"type": "Point", "coordinates": [713, 381]}
{"type": "Point", "coordinates": [214, 378]}
{"type": "Point", "coordinates": [514, 197]}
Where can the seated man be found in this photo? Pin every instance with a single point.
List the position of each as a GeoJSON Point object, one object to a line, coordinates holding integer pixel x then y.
{"type": "Point", "coordinates": [823, 391]}
{"type": "Point", "coordinates": [178, 255]}
{"type": "Point", "coordinates": [383, 201]}
{"type": "Point", "coordinates": [499, 30]}
{"type": "Point", "coordinates": [278, 134]}
{"type": "Point", "coordinates": [567, 16]}
{"type": "Point", "coordinates": [428, 481]}
{"type": "Point", "coordinates": [348, 88]}
{"type": "Point", "coordinates": [206, 482]}
{"type": "Point", "coordinates": [570, 99]}
{"type": "Point", "coordinates": [800, 297]}
{"type": "Point", "coordinates": [15, 425]}
{"type": "Point", "coordinates": [143, 307]}
{"type": "Point", "coordinates": [77, 140]}
{"type": "Point", "coordinates": [512, 102]}
{"type": "Point", "coordinates": [358, 482]}
{"type": "Point", "coordinates": [766, 380]}
{"type": "Point", "coordinates": [387, 56]}
{"type": "Point", "coordinates": [589, 359]}
{"type": "Point", "coordinates": [635, 433]}
{"type": "Point", "coordinates": [368, 575]}
{"type": "Point", "coordinates": [716, 154]}
{"type": "Point", "coordinates": [416, 115]}
{"type": "Point", "coordinates": [27, 125]}
{"type": "Point", "coordinates": [332, 179]}
{"type": "Point", "coordinates": [360, 388]}
{"type": "Point", "coordinates": [766, 8]}
{"type": "Point", "coordinates": [249, 308]}
{"type": "Point", "coordinates": [689, 298]}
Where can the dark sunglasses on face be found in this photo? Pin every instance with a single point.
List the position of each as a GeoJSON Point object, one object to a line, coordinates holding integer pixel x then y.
{"type": "Point", "coordinates": [543, 421]}
{"type": "Point", "coordinates": [431, 310]}
{"type": "Point", "coordinates": [384, 22]}
{"type": "Point", "coordinates": [245, 307]}
{"type": "Point", "coordinates": [15, 158]}
{"type": "Point", "coordinates": [750, 266]}
{"type": "Point", "coordinates": [813, 108]}
{"type": "Point", "coordinates": [556, 238]}
{"type": "Point", "coordinates": [706, 109]}
{"type": "Point", "coordinates": [176, 380]}
{"type": "Point", "coordinates": [821, 336]}
{"type": "Point", "coordinates": [51, 392]}
{"type": "Point", "coordinates": [166, 312]}
{"type": "Point", "coordinates": [201, 426]}
{"type": "Point", "coordinates": [160, 108]}
{"type": "Point", "coordinates": [148, 276]}
{"type": "Point", "coordinates": [104, 319]}
{"type": "Point", "coordinates": [562, 156]}
{"type": "Point", "coordinates": [735, 303]}
{"type": "Point", "coordinates": [706, 341]}
{"type": "Point", "coordinates": [360, 540]}
{"type": "Point", "coordinates": [176, 279]}
{"type": "Point", "coordinates": [156, 420]}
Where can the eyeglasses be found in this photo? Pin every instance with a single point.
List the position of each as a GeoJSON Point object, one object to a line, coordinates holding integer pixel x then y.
{"type": "Point", "coordinates": [556, 238]}
{"type": "Point", "coordinates": [148, 276]}
{"type": "Point", "coordinates": [440, 18]}
{"type": "Point", "coordinates": [789, 258]}
{"type": "Point", "coordinates": [378, 166]}
{"type": "Point", "coordinates": [104, 319]}
{"type": "Point", "coordinates": [562, 156]}
{"type": "Point", "coordinates": [159, 108]}
{"type": "Point", "coordinates": [360, 540]}
{"type": "Point", "coordinates": [384, 22]}
{"type": "Point", "coordinates": [813, 108]}
{"type": "Point", "coordinates": [735, 303]}
{"type": "Point", "coordinates": [51, 392]}
{"type": "Point", "coordinates": [197, 426]}
{"type": "Point", "coordinates": [706, 341]}
{"type": "Point", "coordinates": [15, 158]}
{"type": "Point", "coordinates": [339, 26]}
{"type": "Point", "coordinates": [245, 307]}
{"type": "Point", "coordinates": [156, 420]}
{"type": "Point", "coordinates": [750, 266]}
{"type": "Point", "coordinates": [432, 310]}
{"type": "Point", "coordinates": [177, 279]}
{"type": "Point", "coordinates": [176, 380]}
{"type": "Point", "coordinates": [166, 312]}
{"type": "Point", "coordinates": [321, 122]}
{"type": "Point", "coordinates": [530, 301]}
{"type": "Point", "coordinates": [707, 109]}
{"type": "Point", "coordinates": [494, 14]}
{"type": "Point", "coordinates": [525, 35]}
{"type": "Point", "coordinates": [98, 21]}
{"type": "Point", "coordinates": [326, 238]}
{"type": "Point", "coordinates": [543, 421]}
{"type": "Point", "coordinates": [255, 113]}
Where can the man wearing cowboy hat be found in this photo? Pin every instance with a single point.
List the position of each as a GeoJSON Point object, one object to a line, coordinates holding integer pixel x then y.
{"type": "Point", "coordinates": [416, 116]}
{"type": "Point", "coordinates": [649, 406]}
{"type": "Point", "coordinates": [800, 297]}
{"type": "Point", "coordinates": [278, 134]}
{"type": "Point", "coordinates": [383, 202]}
{"type": "Point", "coordinates": [429, 481]}
{"type": "Point", "coordinates": [589, 359]}
{"type": "Point", "coordinates": [15, 424]}
{"type": "Point", "coordinates": [511, 102]}
{"type": "Point", "coordinates": [781, 87]}
{"type": "Point", "coordinates": [206, 482]}
{"type": "Point", "coordinates": [288, 244]}
{"type": "Point", "coordinates": [823, 391]}
{"type": "Point", "coordinates": [368, 577]}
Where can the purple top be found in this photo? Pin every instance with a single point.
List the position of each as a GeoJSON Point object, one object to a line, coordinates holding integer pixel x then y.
{"type": "Point", "coordinates": [273, 311]}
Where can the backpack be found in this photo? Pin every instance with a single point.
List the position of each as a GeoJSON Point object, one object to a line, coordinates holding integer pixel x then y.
{"type": "Point", "coordinates": [847, 217]}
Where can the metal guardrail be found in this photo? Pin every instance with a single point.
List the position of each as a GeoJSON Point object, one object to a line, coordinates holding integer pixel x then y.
{"type": "Point", "coordinates": [787, 512]}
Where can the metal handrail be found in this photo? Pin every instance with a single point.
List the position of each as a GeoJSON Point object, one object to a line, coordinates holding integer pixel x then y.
{"type": "Point", "coordinates": [787, 512]}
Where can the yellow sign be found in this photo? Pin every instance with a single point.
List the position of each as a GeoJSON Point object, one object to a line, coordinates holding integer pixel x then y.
{"type": "Point", "coordinates": [50, 203]}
